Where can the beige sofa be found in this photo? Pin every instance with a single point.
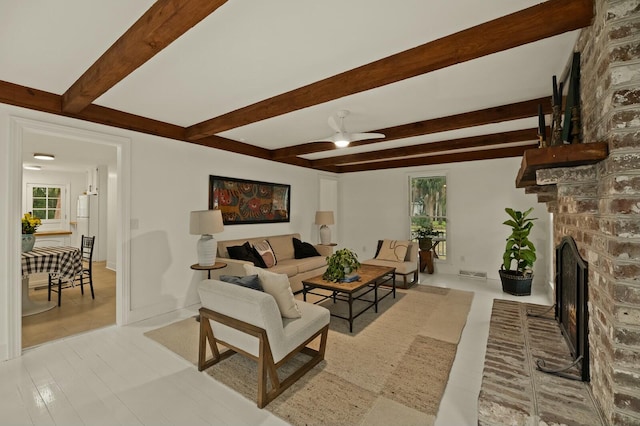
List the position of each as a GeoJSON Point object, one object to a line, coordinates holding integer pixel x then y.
{"type": "Point", "coordinates": [408, 268]}
{"type": "Point", "coordinates": [282, 245]}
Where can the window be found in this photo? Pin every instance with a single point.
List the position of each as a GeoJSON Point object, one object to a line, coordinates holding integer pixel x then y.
{"type": "Point", "coordinates": [428, 206]}
{"type": "Point", "coordinates": [47, 202]}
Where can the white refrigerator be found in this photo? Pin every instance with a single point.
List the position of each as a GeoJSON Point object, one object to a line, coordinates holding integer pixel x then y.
{"type": "Point", "coordinates": [87, 216]}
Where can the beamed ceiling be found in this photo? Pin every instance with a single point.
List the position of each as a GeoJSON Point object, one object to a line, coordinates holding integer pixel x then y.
{"type": "Point", "coordinates": [443, 81]}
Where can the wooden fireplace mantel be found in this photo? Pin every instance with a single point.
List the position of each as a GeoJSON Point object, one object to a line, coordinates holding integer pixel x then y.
{"type": "Point", "coordinates": [579, 154]}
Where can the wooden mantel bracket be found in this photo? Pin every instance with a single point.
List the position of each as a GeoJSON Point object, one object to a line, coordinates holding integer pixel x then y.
{"type": "Point", "coordinates": [579, 154]}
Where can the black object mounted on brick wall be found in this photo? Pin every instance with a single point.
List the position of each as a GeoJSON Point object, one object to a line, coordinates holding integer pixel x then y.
{"type": "Point", "coordinates": [571, 125]}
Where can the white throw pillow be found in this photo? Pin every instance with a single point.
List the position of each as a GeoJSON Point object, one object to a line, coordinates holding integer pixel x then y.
{"type": "Point", "coordinates": [393, 250]}
{"type": "Point", "coordinates": [277, 285]}
{"type": "Point", "coordinates": [266, 252]}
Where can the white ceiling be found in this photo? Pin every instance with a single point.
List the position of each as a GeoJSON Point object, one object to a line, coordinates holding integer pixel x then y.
{"type": "Point", "coordinates": [249, 50]}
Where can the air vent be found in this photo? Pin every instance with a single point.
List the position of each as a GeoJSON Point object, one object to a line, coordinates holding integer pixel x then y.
{"type": "Point", "coordinates": [473, 274]}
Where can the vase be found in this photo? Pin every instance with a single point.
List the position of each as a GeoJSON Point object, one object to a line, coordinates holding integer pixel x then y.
{"type": "Point", "coordinates": [28, 240]}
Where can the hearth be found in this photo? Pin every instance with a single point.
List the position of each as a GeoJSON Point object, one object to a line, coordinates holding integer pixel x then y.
{"type": "Point", "coordinates": [571, 309]}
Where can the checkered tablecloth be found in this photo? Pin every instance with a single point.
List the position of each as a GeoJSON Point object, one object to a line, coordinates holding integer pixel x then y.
{"type": "Point", "coordinates": [62, 261]}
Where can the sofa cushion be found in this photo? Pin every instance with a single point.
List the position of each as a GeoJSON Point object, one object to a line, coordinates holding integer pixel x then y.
{"type": "Point", "coordinates": [282, 246]}
{"type": "Point", "coordinates": [289, 267]}
{"type": "Point", "coordinates": [302, 250]}
{"type": "Point", "coordinates": [393, 250]}
{"type": "Point", "coordinates": [310, 263]}
{"type": "Point", "coordinates": [246, 252]}
{"type": "Point", "coordinates": [277, 285]}
{"type": "Point", "coordinates": [266, 253]}
{"type": "Point", "coordinates": [249, 281]}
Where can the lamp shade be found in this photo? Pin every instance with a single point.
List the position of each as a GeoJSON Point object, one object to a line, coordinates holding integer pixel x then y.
{"type": "Point", "coordinates": [324, 218]}
{"type": "Point", "coordinates": [206, 222]}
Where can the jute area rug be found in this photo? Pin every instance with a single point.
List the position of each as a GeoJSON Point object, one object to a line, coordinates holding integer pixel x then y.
{"type": "Point", "coordinates": [392, 369]}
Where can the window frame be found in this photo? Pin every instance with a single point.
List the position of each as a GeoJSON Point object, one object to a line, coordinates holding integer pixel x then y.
{"type": "Point", "coordinates": [447, 216]}
{"type": "Point", "coordinates": [61, 223]}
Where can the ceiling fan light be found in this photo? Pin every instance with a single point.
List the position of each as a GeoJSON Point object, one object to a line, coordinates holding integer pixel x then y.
{"type": "Point", "coordinates": [341, 140]}
{"type": "Point", "coordinates": [40, 156]}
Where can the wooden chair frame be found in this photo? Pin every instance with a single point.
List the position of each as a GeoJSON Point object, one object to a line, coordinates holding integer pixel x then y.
{"type": "Point", "coordinates": [267, 368]}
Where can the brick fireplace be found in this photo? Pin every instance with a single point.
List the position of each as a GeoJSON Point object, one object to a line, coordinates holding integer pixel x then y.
{"type": "Point", "coordinates": [599, 205]}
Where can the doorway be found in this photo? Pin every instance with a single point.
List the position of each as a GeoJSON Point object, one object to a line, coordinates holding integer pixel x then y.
{"type": "Point", "coordinates": [20, 129]}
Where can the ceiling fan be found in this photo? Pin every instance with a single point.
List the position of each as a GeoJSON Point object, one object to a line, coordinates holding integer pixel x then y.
{"type": "Point", "coordinates": [341, 137]}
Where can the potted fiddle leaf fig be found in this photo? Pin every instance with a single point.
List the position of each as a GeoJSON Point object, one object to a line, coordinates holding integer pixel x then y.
{"type": "Point", "coordinates": [516, 271]}
{"type": "Point", "coordinates": [341, 264]}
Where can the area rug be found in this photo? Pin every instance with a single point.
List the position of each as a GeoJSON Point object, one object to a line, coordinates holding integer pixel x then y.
{"type": "Point", "coordinates": [393, 368]}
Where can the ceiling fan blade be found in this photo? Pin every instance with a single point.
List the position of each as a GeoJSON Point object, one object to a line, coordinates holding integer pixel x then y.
{"type": "Point", "coordinates": [334, 124]}
{"type": "Point", "coordinates": [363, 136]}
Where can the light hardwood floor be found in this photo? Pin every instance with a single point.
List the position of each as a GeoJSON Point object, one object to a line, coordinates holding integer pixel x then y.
{"type": "Point", "coordinates": [78, 313]}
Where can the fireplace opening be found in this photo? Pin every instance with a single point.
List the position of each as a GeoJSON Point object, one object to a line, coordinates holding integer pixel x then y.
{"type": "Point", "coordinates": [571, 309]}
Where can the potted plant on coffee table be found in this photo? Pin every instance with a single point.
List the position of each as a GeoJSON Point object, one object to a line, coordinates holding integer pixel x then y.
{"type": "Point", "coordinates": [519, 249]}
{"type": "Point", "coordinates": [341, 264]}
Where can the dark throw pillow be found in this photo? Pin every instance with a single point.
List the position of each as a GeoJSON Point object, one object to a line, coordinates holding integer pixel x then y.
{"type": "Point", "coordinates": [249, 281]}
{"type": "Point", "coordinates": [302, 250]}
{"type": "Point", "coordinates": [246, 252]}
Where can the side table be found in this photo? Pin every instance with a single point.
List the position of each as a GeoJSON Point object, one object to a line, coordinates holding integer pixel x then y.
{"type": "Point", "coordinates": [217, 265]}
{"type": "Point", "coordinates": [198, 267]}
{"type": "Point", "coordinates": [426, 261]}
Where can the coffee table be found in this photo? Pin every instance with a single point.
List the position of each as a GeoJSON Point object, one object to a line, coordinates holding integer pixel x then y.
{"type": "Point", "coordinates": [371, 277]}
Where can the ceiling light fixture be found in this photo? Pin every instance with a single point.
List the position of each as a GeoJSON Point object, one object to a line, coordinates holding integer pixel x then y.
{"type": "Point", "coordinates": [342, 141]}
{"type": "Point", "coordinates": [40, 156]}
{"type": "Point", "coordinates": [32, 167]}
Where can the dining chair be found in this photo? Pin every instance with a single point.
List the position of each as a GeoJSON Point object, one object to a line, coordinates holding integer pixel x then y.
{"type": "Point", "coordinates": [86, 249]}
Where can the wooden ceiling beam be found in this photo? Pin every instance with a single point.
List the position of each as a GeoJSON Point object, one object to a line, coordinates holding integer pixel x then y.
{"type": "Point", "coordinates": [496, 114]}
{"type": "Point", "coordinates": [158, 27]}
{"type": "Point", "coordinates": [487, 154]}
{"type": "Point", "coordinates": [541, 21]}
{"type": "Point", "coordinates": [432, 147]}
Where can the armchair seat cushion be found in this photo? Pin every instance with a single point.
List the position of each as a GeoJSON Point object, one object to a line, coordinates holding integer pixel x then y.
{"type": "Point", "coordinates": [402, 268]}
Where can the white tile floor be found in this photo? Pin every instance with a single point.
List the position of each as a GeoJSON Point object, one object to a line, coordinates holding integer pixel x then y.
{"type": "Point", "coordinates": [116, 376]}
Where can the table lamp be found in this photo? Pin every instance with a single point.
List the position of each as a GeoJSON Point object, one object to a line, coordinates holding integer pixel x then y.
{"type": "Point", "coordinates": [324, 218]}
{"type": "Point", "coordinates": [205, 223]}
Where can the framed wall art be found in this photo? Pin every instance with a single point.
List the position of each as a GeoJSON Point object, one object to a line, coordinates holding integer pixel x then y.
{"type": "Point", "coordinates": [248, 201]}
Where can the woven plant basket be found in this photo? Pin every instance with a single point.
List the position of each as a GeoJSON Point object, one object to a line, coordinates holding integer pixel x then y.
{"type": "Point", "coordinates": [518, 285]}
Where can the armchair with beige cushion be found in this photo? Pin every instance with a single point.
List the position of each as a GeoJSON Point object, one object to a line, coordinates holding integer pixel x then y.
{"type": "Point", "coordinates": [267, 326]}
{"type": "Point", "coordinates": [399, 254]}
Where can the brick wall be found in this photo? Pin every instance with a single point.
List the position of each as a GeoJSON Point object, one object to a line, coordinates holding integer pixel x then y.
{"type": "Point", "coordinates": [599, 205]}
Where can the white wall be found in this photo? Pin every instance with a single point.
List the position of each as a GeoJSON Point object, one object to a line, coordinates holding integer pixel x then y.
{"type": "Point", "coordinates": [375, 206]}
{"type": "Point", "coordinates": [112, 216]}
{"type": "Point", "coordinates": [170, 179]}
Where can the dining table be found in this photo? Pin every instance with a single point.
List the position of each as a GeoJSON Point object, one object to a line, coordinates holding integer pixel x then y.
{"type": "Point", "coordinates": [65, 262]}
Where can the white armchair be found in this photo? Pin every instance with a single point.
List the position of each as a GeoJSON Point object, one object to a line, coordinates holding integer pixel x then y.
{"type": "Point", "coordinates": [248, 322]}
{"type": "Point", "coordinates": [407, 267]}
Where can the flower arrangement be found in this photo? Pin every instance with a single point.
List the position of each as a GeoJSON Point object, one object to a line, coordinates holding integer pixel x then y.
{"type": "Point", "coordinates": [30, 223]}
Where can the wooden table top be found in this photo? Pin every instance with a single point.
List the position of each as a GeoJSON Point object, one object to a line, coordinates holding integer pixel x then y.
{"type": "Point", "coordinates": [217, 265]}
{"type": "Point", "coordinates": [368, 274]}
